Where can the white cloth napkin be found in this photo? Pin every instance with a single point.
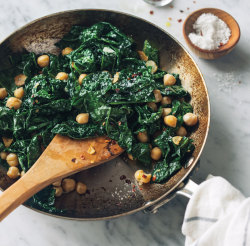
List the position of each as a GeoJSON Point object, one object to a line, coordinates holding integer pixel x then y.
{"type": "Point", "coordinates": [217, 214]}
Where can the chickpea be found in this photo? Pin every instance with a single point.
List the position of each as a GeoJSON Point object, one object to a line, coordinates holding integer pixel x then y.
{"type": "Point", "coordinates": [169, 79]}
{"type": "Point", "coordinates": [152, 105]}
{"type": "Point", "coordinates": [158, 96]}
{"type": "Point", "coordinates": [13, 102]}
{"type": "Point", "coordinates": [3, 93]}
{"type": "Point", "coordinates": [176, 140]}
{"type": "Point", "coordinates": [182, 131]}
{"type": "Point", "coordinates": [7, 141]}
{"type": "Point", "coordinates": [170, 120]}
{"type": "Point", "coordinates": [82, 118]}
{"type": "Point", "coordinates": [142, 177]}
{"type": "Point", "coordinates": [156, 153]}
{"type": "Point", "coordinates": [13, 172]}
{"type": "Point", "coordinates": [58, 191]}
{"type": "Point", "coordinates": [81, 78]}
{"type": "Point", "coordinates": [68, 185]}
{"type": "Point", "coordinates": [81, 188]}
{"type": "Point", "coordinates": [57, 183]}
{"type": "Point", "coordinates": [142, 55]}
{"type": "Point", "coordinates": [166, 111]}
{"type": "Point", "coordinates": [3, 155]}
{"type": "Point", "coordinates": [20, 79]}
{"type": "Point", "coordinates": [22, 173]}
{"type": "Point", "coordinates": [19, 93]}
{"type": "Point", "coordinates": [12, 159]}
{"type": "Point", "coordinates": [166, 101]}
{"type": "Point", "coordinates": [142, 137]}
{"type": "Point", "coordinates": [153, 66]}
{"type": "Point", "coordinates": [62, 76]}
{"type": "Point", "coordinates": [116, 77]}
{"type": "Point", "coordinates": [190, 119]}
{"type": "Point", "coordinates": [130, 157]}
{"type": "Point", "coordinates": [43, 61]}
{"type": "Point", "coordinates": [66, 51]}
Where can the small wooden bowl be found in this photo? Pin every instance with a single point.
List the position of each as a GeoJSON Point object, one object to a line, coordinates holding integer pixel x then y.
{"type": "Point", "coordinates": [222, 50]}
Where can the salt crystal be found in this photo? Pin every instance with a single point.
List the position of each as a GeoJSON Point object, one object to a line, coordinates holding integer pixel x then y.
{"type": "Point", "coordinates": [210, 32]}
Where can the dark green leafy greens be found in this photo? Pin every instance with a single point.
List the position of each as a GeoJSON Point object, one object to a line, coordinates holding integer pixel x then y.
{"type": "Point", "coordinates": [118, 110]}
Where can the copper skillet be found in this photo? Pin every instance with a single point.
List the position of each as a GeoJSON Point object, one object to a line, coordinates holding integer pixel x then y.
{"type": "Point", "coordinates": [111, 186]}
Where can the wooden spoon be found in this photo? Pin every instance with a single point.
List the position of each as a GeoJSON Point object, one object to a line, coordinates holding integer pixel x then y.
{"type": "Point", "coordinates": [64, 156]}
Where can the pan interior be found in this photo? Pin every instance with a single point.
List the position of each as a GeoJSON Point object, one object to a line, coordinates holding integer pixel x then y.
{"type": "Point", "coordinates": [112, 190]}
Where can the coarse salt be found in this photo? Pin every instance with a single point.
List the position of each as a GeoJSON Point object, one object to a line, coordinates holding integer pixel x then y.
{"type": "Point", "coordinates": [210, 32]}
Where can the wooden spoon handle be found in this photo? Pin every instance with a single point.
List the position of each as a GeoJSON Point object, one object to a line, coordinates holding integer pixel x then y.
{"type": "Point", "coordinates": [63, 157]}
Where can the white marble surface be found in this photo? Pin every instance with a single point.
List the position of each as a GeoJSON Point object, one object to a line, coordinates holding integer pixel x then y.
{"type": "Point", "coordinates": [226, 152]}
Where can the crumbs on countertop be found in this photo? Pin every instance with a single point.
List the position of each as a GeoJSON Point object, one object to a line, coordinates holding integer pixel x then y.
{"type": "Point", "coordinates": [151, 12]}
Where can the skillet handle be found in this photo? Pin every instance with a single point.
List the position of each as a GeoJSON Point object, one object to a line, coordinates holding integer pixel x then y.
{"type": "Point", "coordinates": [184, 189]}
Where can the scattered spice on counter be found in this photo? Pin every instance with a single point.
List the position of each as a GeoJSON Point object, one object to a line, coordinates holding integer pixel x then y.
{"type": "Point", "coordinates": [181, 11]}
{"type": "Point", "coordinates": [179, 20]}
{"type": "Point", "coordinates": [168, 24]}
{"type": "Point", "coordinates": [171, 6]}
{"type": "Point", "coordinates": [194, 2]}
{"type": "Point", "coordinates": [169, 18]}
{"type": "Point", "coordinates": [188, 8]}
{"type": "Point", "coordinates": [210, 32]}
{"type": "Point", "coordinates": [151, 12]}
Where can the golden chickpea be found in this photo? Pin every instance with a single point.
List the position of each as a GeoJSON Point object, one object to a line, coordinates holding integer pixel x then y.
{"type": "Point", "coordinates": [20, 79]}
{"type": "Point", "coordinates": [142, 137]}
{"type": "Point", "coordinates": [170, 120]}
{"type": "Point", "coordinates": [58, 191]}
{"type": "Point", "coordinates": [169, 79]}
{"type": "Point", "coordinates": [158, 96]}
{"type": "Point", "coordinates": [3, 93]}
{"type": "Point", "coordinates": [176, 140]}
{"type": "Point", "coordinates": [43, 61]}
{"type": "Point", "coordinates": [62, 76]}
{"type": "Point", "coordinates": [152, 105]}
{"type": "Point", "coordinates": [3, 155]}
{"type": "Point", "coordinates": [153, 66]}
{"type": "Point", "coordinates": [66, 51]}
{"type": "Point", "coordinates": [166, 101]}
{"type": "Point", "coordinates": [7, 141]}
{"type": "Point", "coordinates": [130, 157]}
{"type": "Point", "coordinates": [12, 159]}
{"type": "Point", "coordinates": [156, 153]}
{"type": "Point", "coordinates": [138, 175]}
{"type": "Point", "coordinates": [57, 183]}
{"type": "Point", "coordinates": [13, 102]}
{"type": "Point", "coordinates": [190, 119]}
{"type": "Point", "coordinates": [81, 188]}
{"type": "Point", "coordinates": [19, 93]}
{"type": "Point", "coordinates": [182, 131]}
{"type": "Point", "coordinates": [166, 111]}
{"type": "Point", "coordinates": [81, 78]}
{"type": "Point", "coordinates": [13, 172]}
{"type": "Point", "coordinates": [116, 77]}
{"type": "Point", "coordinates": [142, 177]}
{"type": "Point", "coordinates": [142, 55]}
{"type": "Point", "coordinates": [68, 185]}
{"type": "Point", "coordinates": [82, 118]}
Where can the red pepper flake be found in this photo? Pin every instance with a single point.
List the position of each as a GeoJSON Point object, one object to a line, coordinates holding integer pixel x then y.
{"type": "Point", "coordinates": [180, 20]}
{"type": "Point", "coordinates": [82, 157]}
{"type": "Point", "coordinates": [73, 160]}
{"type": "Point", "coordinates": [154, 178]}
{"type": "Point", "coordinates": [134, 75]}
{"type": "Point", "coordinates": [151, 12]}
{"type": "Point", "coordinates": [117, 90]}
{"type": "Point", "coordinates": [181, 11]}
{"type": "Point", "coordinates": [144, 176]}
{"type": "Point", "coordinates": [221, 44]}
{"type": "Point", "coordinates": [133, 190]}
{"type": "Point", "coordinates": [171, 6]}
{"type": "Point", "coordinates": [188, 8]}
{"type": "Point", "coordinates": [129, 78]}
{"type": "Point", "coordinates": [133, 186]}
{"type": "Point", "coordinates": [140, 188]}
{"type": "Point", "coordinates": [113, 142]}
{"type": "Point", "coordinates": [32, 96]}
{"type": "Point", "coordinates": [119, 123]}
{"type": "Point", "coordinates": [33, 103]}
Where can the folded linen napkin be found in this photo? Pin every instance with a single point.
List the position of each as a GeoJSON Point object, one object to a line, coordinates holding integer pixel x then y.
{"type": "Point", "coordinates": [217, 215]}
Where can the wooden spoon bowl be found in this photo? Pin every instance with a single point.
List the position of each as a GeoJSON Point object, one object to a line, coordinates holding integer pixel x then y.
{"type": "Point", "coordinates": [222, 50]}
